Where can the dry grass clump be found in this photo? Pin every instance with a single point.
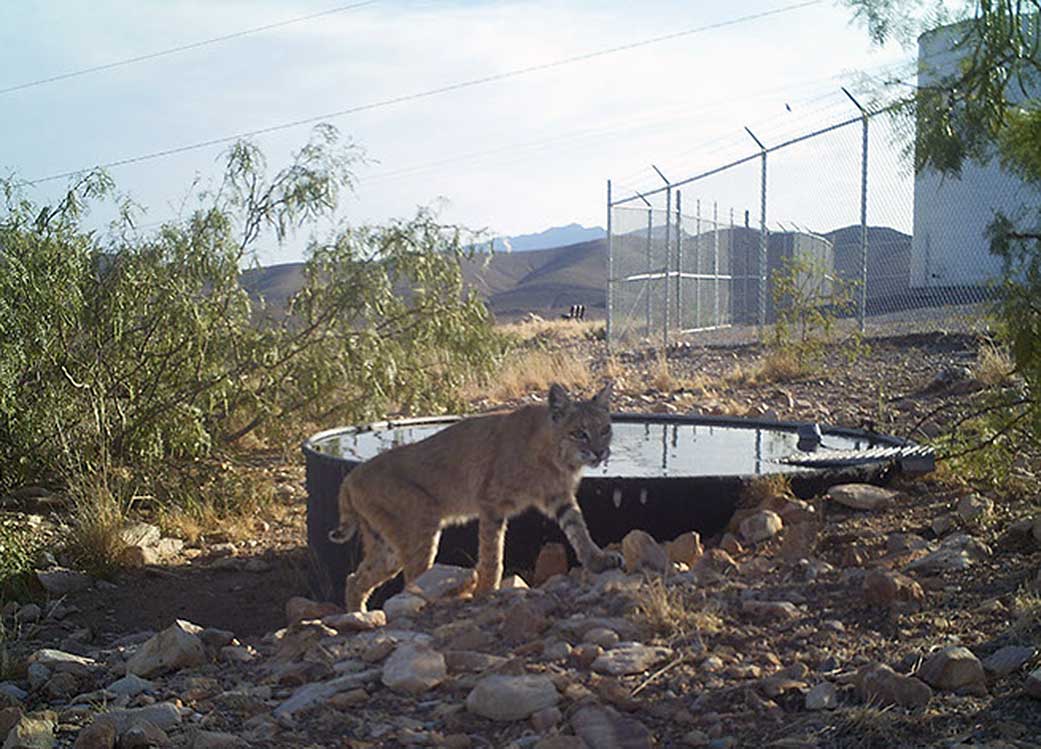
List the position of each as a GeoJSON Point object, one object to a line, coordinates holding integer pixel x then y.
{"type": "Point", "coordinates": [779, 365]}
{"type": "Point", "coordinates": [554, 330]}
{"type": "Point", "coordinates": [100, 511]}
{"type": "Point", "coordinates": [764, 488]}
{"type": "Point", "coordinates": [230, 504]}
{"type": "Point", "coordinates": [665, 612]}
{"type": "Point", "coordinates": [866, 727]}
{"type": "Point", "coordinates": [526, 371]}
{"type": "Point", "coordinates": [1027, 609]}
{"type": "Point", "coordinates": [661, 377]}
{"type": "Point", "coordinates": [994, 365]}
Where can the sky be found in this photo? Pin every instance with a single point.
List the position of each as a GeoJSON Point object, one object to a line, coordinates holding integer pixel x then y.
{"type": "Point", "coordinates": [516, 155]}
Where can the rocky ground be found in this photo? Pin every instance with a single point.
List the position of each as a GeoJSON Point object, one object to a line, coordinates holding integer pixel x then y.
{"type": "Point", "coordinates": [906, 616]}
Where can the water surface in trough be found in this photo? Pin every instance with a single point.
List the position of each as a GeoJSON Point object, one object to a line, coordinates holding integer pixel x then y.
{"type": "Point", "coordinates": [638, 449]}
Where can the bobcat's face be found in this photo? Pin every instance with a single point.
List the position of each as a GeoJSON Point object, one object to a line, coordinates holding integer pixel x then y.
{"type": "Point", "coordinates": [583, 427]}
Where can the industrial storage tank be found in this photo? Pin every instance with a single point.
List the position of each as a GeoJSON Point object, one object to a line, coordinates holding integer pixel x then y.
{"type": "Point", "coordinates": [950, 248]}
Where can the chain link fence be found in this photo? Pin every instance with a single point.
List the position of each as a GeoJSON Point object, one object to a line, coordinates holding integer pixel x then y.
{"type": "Point", "coordinates": [699, 259]}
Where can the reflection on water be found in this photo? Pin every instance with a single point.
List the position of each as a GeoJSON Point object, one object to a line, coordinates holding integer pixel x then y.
{"type": "Point", "coordinates": [641, 450]}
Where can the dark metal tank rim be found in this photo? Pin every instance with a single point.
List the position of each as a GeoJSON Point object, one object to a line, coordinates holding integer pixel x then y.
{"type": "Point", "coordinates": [309, 445]}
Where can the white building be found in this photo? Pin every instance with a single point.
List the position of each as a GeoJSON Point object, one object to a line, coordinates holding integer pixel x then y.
{"type": "Point", "coordinates": [951, 214]}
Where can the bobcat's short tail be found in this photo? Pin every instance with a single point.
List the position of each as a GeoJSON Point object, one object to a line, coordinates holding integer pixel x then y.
{"type": "Point", "coordinates": [345, 531]}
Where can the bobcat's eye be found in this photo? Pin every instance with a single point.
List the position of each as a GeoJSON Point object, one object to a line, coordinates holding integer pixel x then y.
{"type": "Point", "coordinates": [605, 431]}
{"type": "Point", "coordinates": [579, 435]}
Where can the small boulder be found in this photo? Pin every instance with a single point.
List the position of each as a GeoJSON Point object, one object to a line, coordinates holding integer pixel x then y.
{"type": "Point", "coordinates": [824, 696]}
{"type": "Point", "coordinates": [730, 545]}
{"type": "Point", "coordinates": [403, 605]}
{"type": "Point", "coordinates": [861, 496]}
{"type": "Point", "coordinates": [176, 647]}
{"type": "Point", "coordinates": [886, 588]}
{"type": "Point", "coordinates": [880, 684]}
{"type": "Point", "coordinates": [29, 613]}
{"type": "Point", "coordinates": [139, 556]}
{"type": "Point", "coordinates": [414, 668]}
{"type": "Point", "coordinates": [443, 581]}
{"type": "Point", "coordinates": [513, 582]}
{"type": "Point", "coordinates": [31, 732]}
{"type": "Point", "coordinates": [943, 524]}
{"type": "Point", "coordinates": [954, 669]}
{"type": "Point", "coordinates": [510, 698]}
{"type": "Point", "coordinates": [299, 609]}
{"type": "Point", "coordinates": [761, 526]}
{"type": "Point", "coordinates": [629, 658]}
{"type": "Point", "coordinates": [546, 718]}
{"type": "Point", "coordinates": [606, 728]}
{"type": "Point", "coordinates": [144, 735]}
{"type": "Point", "coordinates": [162, 715]}
{"type": "Point", "coordinates": [61, 582]}
{"type": "Point", "coordinates": [799, 541]}
{"type": "Point", "coordinates": [685, 548]}
{"type": "Point", "coordinates": [523, 622]}
{"type": "Point", "coordinates": [130, 685]}
{"type": "Point", "coordinates": [1008, 660]}
{"type": "Point", "coordinates": [11, 694]}
{"type": "Point", "coordinates": [61, 686]}
{"type": "Point", "coordinates": [779, 610]}
{"type": "Point", "coordinates": [602, 636]}
{"type": "Point", "coordinates": [356, 621]}
{"type": "Point", "coordinates": [901, 543]}
{"type": "Point", "coordinates": [59, 662]}
{"type": "Point", "coordinates": [973, 508]}
{"type": "Point", "coordinates": [643, 554]}
{"type": "Point", "coordinates": [956, 553]}
{"type": "Point", "coordinates": [551, 561]}
{"type": "Point", "coordinates": [217, 740]}
{"type": "Point", "coordinates": [98, 735]}
{"type": "Point", "coordinates": [1032, 686]}
{"type": "Point", "coordinates": [9, 717]}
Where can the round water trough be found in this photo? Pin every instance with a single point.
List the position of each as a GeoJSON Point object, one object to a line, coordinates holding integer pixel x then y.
{"type": "Point", "coordinates": [666, 475]}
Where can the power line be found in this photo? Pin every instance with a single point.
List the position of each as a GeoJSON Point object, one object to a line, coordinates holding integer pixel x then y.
{"type": "Point", "coordinates": [440, 90]}
{"type": "Point", "coordinates": [182, 48]}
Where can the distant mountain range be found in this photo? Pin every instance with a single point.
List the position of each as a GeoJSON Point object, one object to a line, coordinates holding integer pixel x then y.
{"type": "Point", "coordinates": [548, 281]}
{"type": "Point", "coordinates": [558, 236]}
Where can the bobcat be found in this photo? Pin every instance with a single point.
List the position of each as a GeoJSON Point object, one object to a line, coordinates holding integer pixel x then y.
{"type": "Point", "coordinates": [490, 467]}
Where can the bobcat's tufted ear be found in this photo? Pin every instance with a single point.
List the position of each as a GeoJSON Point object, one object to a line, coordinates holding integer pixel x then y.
{"type": "Point", "coordinates": [603, 397]}
{"type": "Point", "coordinates": [559, 401]}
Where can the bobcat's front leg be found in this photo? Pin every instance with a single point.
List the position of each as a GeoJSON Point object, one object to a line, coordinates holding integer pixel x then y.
{"type": "Point", "coordinates": [569, 517]}
{"type": "Point", "coordinates": [491, 533]}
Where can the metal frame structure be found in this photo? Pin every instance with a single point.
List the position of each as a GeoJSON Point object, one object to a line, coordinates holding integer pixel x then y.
{"type": "Point", "coordinates": [671, 264]}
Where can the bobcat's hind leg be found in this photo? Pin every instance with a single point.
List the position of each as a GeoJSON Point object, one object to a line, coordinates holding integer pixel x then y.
{"type": "Point", "coordinates": [379, 564]}
{"type": "Point", "coordinates": [491, 532]}
{"type": "Point", "coordinates": [421, 551]}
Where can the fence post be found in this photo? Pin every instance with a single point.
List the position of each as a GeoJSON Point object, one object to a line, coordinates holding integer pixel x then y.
{"type": "Point", "coordinates": [762, 234]}
{"type": "Point", "coordinates": [862, 296]}
{"type": "Point", "coordinates": [862, 305]}
{"type": "Point", "coordinates": [647, 280]}
{"type": "Point", "coordinates": [697, 263]}
{"type": "Point", "coordinates": [679, 262]}
{"type": "Point", "coordinates": [715, 258]}
{"type": "Point", "coordinates": [609, 326]}
{"type": "Point", "coordinates": [665, 277]}
{"type": "Point", "coordinates": [731, 269]}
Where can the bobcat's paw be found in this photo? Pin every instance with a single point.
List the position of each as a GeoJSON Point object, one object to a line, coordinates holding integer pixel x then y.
{"type": "Point", "coordinates": [605, 560]}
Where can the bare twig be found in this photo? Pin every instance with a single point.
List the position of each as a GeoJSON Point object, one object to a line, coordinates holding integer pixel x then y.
{"type": "Point", "coordinates": [658, 674]}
